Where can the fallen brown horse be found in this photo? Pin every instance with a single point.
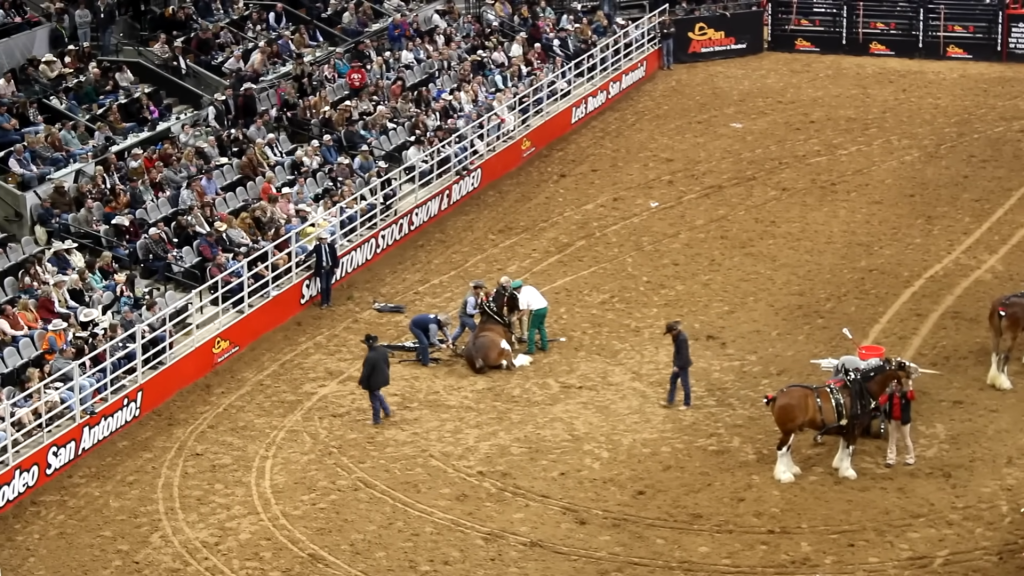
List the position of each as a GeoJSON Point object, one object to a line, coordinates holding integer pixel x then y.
{"type": "Point", "coordinates": [1005, 322]}
{"type": "Point", "coordinates": [491, 344]}
{"type": "Point", "coordinates": [840, 408]}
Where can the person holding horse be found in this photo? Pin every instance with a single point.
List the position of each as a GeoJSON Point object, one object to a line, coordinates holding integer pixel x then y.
{"type": "Point", "coordinates": [470, 308]}
{"type": "Point", "coordinates": [376, 375]}
{"type": "Point", "coordinates": [681, 364]}
{"type": "Point", "coordinates": [425, 328]}
{"type": "Point", "coordinates": [896, 407]}
{"type": "Point", "coordinates": [533, 303]}
{"type": "Point", "coordinates": [516, 314]}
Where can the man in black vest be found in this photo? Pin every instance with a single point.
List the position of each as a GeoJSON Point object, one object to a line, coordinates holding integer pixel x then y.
{"type": "Point", "coordinates": [215, 114]}
{"type": "Point", "coordinates": [470, 308]}
{"type": "Point", "coordinates": [326, 264]}
{"type": "Point", "coordinates": [680, 365]}
{"type": "Point", "coordinates": [376, 375]}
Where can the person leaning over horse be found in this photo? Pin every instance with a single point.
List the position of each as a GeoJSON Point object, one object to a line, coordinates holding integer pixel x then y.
{"type": "Point", "coordinates": [425, 328]}
{"type": "Point", "coordinates": [531, 302]}
{"type": "Point", "coordinates": [681, 364]}
{"type": "Point", "coordinates": [517, 320]}
{"type": "Point", "coordinates": [376, 375]}
{"type": "Point", "coordinates": [895, 404]}
{"type": "Point", "coordinates": [470, 308]}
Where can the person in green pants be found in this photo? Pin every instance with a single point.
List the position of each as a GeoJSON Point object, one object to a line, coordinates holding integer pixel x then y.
{"type": "Point", "coordinates": [530, 299]}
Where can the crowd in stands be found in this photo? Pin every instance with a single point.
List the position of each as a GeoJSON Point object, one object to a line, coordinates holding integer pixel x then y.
{"type": "Point", "coordinates": [254, 174]}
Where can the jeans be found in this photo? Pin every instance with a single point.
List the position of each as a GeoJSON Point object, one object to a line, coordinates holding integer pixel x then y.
{"type": "Point", "coordinates": [379, 404]}
{"type": "Point", "coordinates": [106, 40]}
{"type": "Point", "coordinates": [667, 50]}
{"type": "Point", "coordinates": [681, 375]}
{"type": "Point", "coordinates": [464, 323]}
{"type": "Point", "coordinates": [57, 162]}
{"type": "Point", "coordinates": [423, 350]}
{"type": "Point", "coordinates": [86, 386]}
{"type": "Point", "coordinates": [159, 267]}
{"type": "Point", "coordinates": [326, 276]}
{"type": "Point", "coordinates": [34, 129]}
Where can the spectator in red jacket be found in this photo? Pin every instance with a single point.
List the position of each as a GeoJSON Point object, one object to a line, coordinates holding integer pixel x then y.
{"type": "Point", "coordinates": [895, 405]}
{"type": "Point", "coordinates": [356, 78]}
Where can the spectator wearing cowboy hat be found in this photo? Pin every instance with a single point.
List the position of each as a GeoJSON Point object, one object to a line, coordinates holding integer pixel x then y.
{"type": "Point", "coordinates": [469, 309]}
{"type": "Point", "coordinates": [531, 302]}
{"type": "Point", "coordinates": [425, 328]}
{"type": "Point", "coordinates": [376, 375]}
{"type": "Point", "coordinates": [62, 370]}
{"type": "Point", "coordinates": [155, 253]}
{"type": "Point", "coordinates": [327, 262]}
{"type": "Point", "coordinates": [681, 364]}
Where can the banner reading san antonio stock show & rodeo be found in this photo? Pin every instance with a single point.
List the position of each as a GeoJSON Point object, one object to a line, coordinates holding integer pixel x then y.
{"type": "Point", "coordinates": [700, 38]}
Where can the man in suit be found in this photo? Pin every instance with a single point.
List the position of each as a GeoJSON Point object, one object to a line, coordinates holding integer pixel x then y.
{"type": "Point", "coordinates": [326, 264]}
{"type": "Point", "coordinates": [375, 376]}
{"type": "Point", "coordinates": [680, 365]}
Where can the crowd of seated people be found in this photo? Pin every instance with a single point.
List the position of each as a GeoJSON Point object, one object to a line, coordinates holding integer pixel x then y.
{"type": "Point", "coordinates": [193, 207]}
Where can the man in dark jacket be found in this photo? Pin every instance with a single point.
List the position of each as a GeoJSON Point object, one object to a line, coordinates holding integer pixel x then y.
{"type": "Point", "coordinates": [680, 365]}
{"type": "Point", "coordinates": [326, 256]}
{"type": "Point", "coordinates": [375, 376]}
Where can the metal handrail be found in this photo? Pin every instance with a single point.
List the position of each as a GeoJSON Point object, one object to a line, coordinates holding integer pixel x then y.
{"type": "Point", "coordinates": [414, 181]}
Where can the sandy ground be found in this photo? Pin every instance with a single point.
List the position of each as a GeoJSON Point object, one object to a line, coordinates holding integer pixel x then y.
{"type": "Point", "coordinates": [797, 195]}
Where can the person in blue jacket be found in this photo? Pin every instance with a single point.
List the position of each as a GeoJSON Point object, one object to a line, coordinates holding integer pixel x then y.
{"type": "Point", "coordinates": [425, 328]}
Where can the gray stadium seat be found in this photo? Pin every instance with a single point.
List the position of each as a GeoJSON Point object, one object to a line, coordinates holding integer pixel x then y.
{"type": "Point", "coordinates": [26, 348]}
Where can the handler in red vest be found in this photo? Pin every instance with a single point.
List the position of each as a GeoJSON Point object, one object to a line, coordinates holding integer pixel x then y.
{"type": "Point", "coordinates": [356, 78]}
{"type": "Point", "coordinates": [895, 405]}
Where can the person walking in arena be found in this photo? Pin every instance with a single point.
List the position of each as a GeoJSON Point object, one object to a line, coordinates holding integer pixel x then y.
{"type": "Point", "coordinates": [470, 308]}
{"type": "Point", "coordinates": [326, 264]}
{"type": "Point", "coordinates": [681, 364]}
{"type": "Point", "coordinates": [895, 405]}
{"type": "Point", "coordinates": [533, 303]}
{"type": "Point", "coordinates": [667, 34]}
{"type": "Point", "coordinates": [376, 375]}
{"type": "Point", "coordinates": [425, 328]}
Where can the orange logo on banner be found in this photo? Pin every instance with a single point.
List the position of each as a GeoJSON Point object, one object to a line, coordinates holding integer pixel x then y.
{"type": "Point", "coordinates": [801, 44]}
{"type": "Point", "coordinates": [222, 349]}
{"type": "Point", "coordinates": [526, 143]}
{"type": "Point", "coordinates": [705, 38]}
{"type": "Point", "coordinates": [954, 52]}
{"type": "Point", "coordinates": [876, 48]}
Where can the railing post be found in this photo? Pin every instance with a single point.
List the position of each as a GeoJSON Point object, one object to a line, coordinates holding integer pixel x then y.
{"type": "Point", "coordinates": [245, 283]}
{"type": "Point", "coordinates": [80, 403]}
{"type": "Point", "coordinates": [138, 355]}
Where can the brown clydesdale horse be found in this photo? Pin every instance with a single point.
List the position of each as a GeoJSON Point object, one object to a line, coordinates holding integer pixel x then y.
{"type": "Point", "coordinates": [841, 407]}
{"type": "Point", "coordinates": [1005, 321]}
{"type": "Point", "coordinates": [490, 346]}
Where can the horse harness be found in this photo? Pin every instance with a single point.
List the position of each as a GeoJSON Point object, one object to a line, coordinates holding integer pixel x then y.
{"type": "Point", "coordinates": [839, 407]}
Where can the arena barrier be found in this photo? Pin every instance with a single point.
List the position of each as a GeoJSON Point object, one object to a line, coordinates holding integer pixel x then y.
{"type": "Point", "coordinates": [723, 35]}
{"type": "Point", "coordinates": [222, 318]}
{"type": "Point", "coordinates": [953, 29]}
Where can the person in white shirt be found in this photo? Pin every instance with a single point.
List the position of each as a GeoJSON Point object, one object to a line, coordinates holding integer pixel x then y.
{"type": "Point", "coordinates": [532, 303]}
{"type": "Point", "coordinates": [234, 64]}
{"type": "Point", "coordinates": [124, 77]}
{"type": "Point", "coordinates": [7, 87]}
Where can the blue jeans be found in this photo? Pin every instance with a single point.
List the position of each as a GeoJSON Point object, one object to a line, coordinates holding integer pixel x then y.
{"type": "Point", "coordinates": [464, 323]}
{"type": "Point", "coordinates": [379, 404]}
{"type": "Point", "coordinates": [667, 50]}
{"type": "Point", "coordinates": [423, 351]}
{"type": "Point", "coordinates": [325, 286]}
{"type": "Point", "coordinates": [106, 41]}
{"type": "Point", "coordinates": [86, 386]}
{"type": "Point", "coordinates": [682, 375]}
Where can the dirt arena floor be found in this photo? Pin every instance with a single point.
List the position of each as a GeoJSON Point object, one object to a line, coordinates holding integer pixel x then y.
{"type": "Point", "coordinates": [796, 195]}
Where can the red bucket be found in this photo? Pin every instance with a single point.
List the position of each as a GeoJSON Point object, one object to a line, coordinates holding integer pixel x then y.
{"type": "Point", "coordinates": [870, 352]}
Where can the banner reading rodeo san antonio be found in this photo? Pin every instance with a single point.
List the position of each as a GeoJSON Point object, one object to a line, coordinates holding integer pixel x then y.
{"type": "Point", "coordinates": [720, 36]}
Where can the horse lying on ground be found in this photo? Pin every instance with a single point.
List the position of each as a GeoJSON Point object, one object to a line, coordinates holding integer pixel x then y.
{"type": "Point", "coordinates": [842, 407]}
{"type": "Point", "coordinates": [1005, 322]}
{"type": "Point", "coordinates": [491, 345]}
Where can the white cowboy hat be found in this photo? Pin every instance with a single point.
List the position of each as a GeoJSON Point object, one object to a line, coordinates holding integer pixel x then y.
{"type": "Point", "coordinates": [302, 208]}
{"type": "Point", "coordinates": [70, 244]}
{"type": "Point", "coordinates": [58, 245]}
{"type": "Point", "coordinates": [136, 151]}
{"type": "Point", "coordinates": [58, 324]}
{"type": "Point", "coordinates": [327, 138]}
{"type": "Point", "coordinates": [382, 164]}
{"type": "Point", "coordinates": [220, 226]}
{"type": "Point", "coordinates": [88, 314]}
{"type": "Point", "coordinates": [345, 160]}
{"type": "Point", "coordinates": [60, 278]}
{"type": "Point", "coordinates": [120, 221]}
{"type": "Point", "coordinates": [220, 97]}
{"type": "Point", "coordinates": [49, 58]}
{"type": "Point", "coordinates": [323, 236]}
{"type": "Point", "coordinates": [248, 86]}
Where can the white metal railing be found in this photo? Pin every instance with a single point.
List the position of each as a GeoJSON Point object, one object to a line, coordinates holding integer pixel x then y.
{"type": "Point", "coordinates": [125, 361]}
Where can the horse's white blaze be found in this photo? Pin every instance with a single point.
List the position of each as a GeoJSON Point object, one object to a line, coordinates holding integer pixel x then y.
{"type": "Point", "coordinates": [505, 346]}
{"type": "Point", "coordinates": [837, 462]}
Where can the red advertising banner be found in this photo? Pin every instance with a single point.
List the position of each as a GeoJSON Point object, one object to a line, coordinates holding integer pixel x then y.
{"type": "Point", "coordinates": [56, 456]}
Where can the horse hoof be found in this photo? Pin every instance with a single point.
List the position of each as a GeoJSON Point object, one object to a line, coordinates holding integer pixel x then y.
{"type": "Point", "coordinates": [795, 471]}
{"type": "Point", "coordinates": [787, 479]}
{"type": "Point", "coordinates": [849, 474]}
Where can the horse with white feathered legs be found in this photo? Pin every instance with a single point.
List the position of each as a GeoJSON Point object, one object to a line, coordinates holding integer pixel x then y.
{"type": "Point", "coordinates": [841, 407]}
